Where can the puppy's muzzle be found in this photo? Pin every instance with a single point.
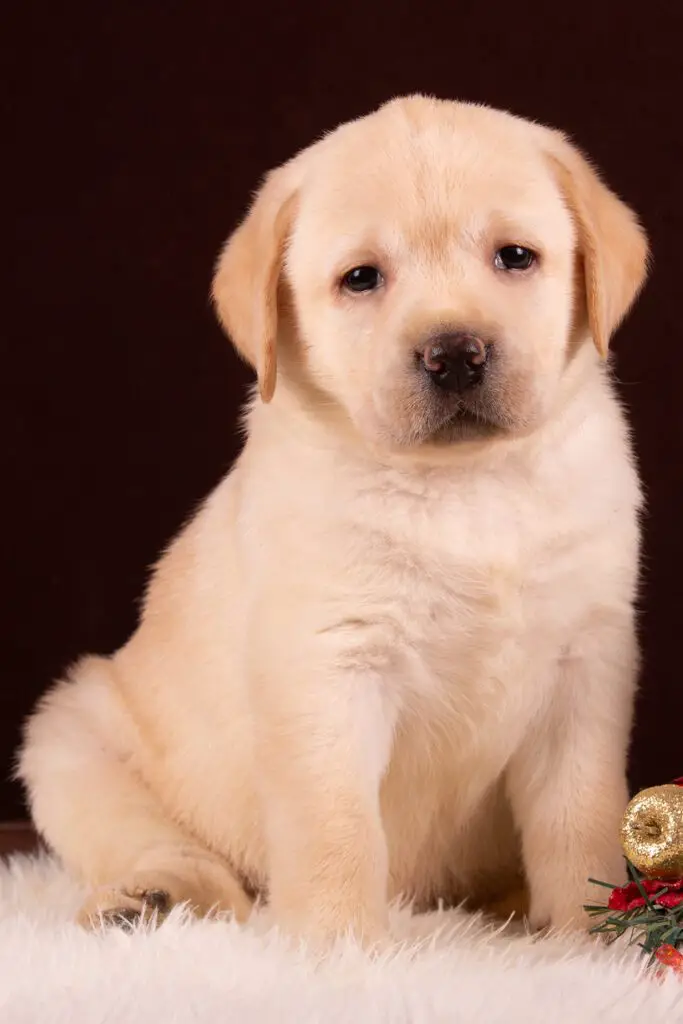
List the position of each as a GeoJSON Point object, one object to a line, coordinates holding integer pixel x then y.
{"type": "Point", "coordinates": [456, 361]}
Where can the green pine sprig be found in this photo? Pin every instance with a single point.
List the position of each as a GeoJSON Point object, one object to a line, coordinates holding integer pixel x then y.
{"type": "Point", "coordinates": [651, 925]}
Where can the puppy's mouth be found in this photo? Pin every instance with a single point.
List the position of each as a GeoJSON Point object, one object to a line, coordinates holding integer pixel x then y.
{"type": "Point", "coordinates": [438, 427]}
{"type": "Point", "coordinates": [427, 416]}
{"type": "Point", "coordinates": [466, 424]}
{"type": "Point", "coordinates": [476, 414]}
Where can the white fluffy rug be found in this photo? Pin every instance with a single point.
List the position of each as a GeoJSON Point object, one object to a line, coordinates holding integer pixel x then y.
{"type": "Point", "coordinates": [446, 967]}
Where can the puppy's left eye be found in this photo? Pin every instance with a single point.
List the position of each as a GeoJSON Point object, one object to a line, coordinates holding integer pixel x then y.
{"type": "Point", "coordinates": [514, 257]}
{"type": "Point", "coordinates": [362, 279]}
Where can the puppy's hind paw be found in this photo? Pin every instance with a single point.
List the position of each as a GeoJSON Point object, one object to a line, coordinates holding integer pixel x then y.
{"type": "Point", "coordinates": [126, 910]}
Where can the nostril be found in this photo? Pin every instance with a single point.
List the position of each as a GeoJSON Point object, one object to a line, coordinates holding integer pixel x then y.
{"type": "Point", "coordinates": [435, 359]}
{"type": "Point", "coordinates": [474, 352]}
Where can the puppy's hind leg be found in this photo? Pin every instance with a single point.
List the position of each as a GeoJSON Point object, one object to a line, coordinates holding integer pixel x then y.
{"type": "Point", "coordinates": [100, 817]}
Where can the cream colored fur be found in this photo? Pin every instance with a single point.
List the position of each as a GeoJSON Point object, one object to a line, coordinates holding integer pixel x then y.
{"type": "Point", "coordinates": [383, 660]}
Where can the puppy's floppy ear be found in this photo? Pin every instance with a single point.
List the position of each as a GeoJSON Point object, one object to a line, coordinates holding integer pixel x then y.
{"type": "Point", "coordinates": [245, 283]}
{"type": "Point", "coordinates": [612, 244]}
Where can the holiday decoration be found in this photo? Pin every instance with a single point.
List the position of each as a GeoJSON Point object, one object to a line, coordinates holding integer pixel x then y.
{"type": "Point", "coordinates": [652, 832]}
{"type": "Point", "coordinates": [650, 906]}
{"type": "Point", "coordinates": [669, 956]}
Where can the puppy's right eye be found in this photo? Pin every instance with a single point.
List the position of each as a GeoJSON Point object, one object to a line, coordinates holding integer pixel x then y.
{"type": "Point", "coordinates": [362, 279]}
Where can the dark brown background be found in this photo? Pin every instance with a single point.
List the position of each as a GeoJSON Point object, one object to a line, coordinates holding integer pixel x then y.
{"type": "Point", "coordinates": [134, 138]}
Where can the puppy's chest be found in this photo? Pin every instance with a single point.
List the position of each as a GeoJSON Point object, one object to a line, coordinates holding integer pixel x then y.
{"type": "Point", "coordinates": [473, 574]}
{"type": "Point", "coordinates": [477, 592]}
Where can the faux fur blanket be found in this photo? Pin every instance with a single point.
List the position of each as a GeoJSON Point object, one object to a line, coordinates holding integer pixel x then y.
{"type": "Point", "coordinates": [446, 967]}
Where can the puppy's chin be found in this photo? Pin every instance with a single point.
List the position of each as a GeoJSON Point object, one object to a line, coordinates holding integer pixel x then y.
{"type": "Point", "coordinates": [483, 416]}
{"type": "Point", "coordinates": [425, 421]}
{"type": "Point", "coordinates": [423, 434]}
{"type": "Point", "coordinates": [466, 426]}
{"type": "Point", "coordinates": [472, 422]}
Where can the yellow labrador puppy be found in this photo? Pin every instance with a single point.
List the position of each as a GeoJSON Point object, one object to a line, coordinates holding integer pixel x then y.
{"type": "Point", "coordinates": [394, 653]}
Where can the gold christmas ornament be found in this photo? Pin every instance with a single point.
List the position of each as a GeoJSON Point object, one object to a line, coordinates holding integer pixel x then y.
{"type": "Point", "coordinates": [652, 832]}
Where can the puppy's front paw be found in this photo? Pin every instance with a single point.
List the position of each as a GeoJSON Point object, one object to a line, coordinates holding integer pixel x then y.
{"type": "Point", "coordinates": [561, 890]}
{"type": "Point", "coordinates": [563, 910]}
{"type": "Point", "coordinates": [324, 927]}
{"type": "Point", "coordinates": [560, 919]}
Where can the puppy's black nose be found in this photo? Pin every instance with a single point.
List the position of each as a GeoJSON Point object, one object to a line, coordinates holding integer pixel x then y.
{"type": "Point", "coordinates": [455, 362]}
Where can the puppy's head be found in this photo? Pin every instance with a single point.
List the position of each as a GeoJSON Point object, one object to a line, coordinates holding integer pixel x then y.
{"type": "Point", "coordinates": [430, 270]}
